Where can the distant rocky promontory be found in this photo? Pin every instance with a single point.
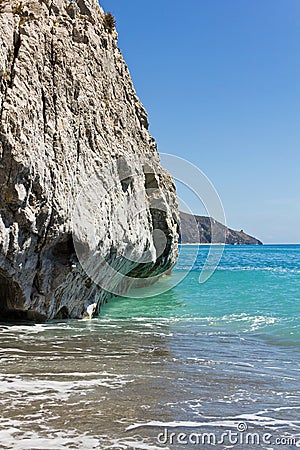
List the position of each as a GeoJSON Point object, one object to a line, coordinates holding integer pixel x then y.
{"type": "Point", "coordinates": [198, 229]}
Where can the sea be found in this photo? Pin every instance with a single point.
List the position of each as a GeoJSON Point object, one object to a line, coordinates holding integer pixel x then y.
{"type": "Point", "coordinates": [209, 365]}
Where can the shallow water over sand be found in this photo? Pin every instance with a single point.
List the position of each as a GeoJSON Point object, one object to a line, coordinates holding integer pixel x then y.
{"type": "Point", "coordinates": [198, 358]}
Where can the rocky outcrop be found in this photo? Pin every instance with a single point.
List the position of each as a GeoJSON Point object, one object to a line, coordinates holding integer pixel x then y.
{"type": "Point", "coordinates": [198, 229]}
{"type": "Point", "coordinates": [74, 137]}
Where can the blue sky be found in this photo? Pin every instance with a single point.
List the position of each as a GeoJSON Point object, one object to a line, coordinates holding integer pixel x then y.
{"type": "Point", "coordinates": [220, 80]}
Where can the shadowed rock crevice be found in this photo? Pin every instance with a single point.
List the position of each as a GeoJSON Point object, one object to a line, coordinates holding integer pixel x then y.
{"type": "Point", "coordinates": [63, 252]}
{"type": "Point", "coordinates": [17, 45]}
{"type": "Point", "coordinates": [12, 302]}
{"type": "Point", "coordinates": [11, 297]}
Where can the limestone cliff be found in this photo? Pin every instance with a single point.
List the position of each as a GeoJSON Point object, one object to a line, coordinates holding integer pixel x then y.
{"type": "Point", "coordinates": [69, 114]}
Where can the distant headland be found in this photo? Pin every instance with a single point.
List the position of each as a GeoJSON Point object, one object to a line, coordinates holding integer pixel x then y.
{"type": "Point", "coordinates": [198, 229]}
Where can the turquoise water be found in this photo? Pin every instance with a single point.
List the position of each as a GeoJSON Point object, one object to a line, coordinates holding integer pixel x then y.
{"type": "Point", "coordinates": [255, 290]}
{"type": "Point", "coordinates": [199, 358]}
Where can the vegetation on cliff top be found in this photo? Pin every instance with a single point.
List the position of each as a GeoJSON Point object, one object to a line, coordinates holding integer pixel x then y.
{"type": "Point", "coordinates": [109, 22]}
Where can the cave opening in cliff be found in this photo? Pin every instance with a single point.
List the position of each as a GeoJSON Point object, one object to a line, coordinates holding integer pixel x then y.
{"type": "Point", "coordinates": [63, 252]}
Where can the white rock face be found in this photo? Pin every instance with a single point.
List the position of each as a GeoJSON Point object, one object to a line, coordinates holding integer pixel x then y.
{"type": "Point", "coordinates": [79, 171]}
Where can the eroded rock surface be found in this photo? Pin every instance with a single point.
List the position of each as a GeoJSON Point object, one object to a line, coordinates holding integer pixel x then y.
{"type": "Point", "coordinates": [69, 119]}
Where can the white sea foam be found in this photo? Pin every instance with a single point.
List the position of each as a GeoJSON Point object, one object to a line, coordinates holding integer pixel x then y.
{"type": "Point", "coordinates": [43, 389]}
{"type": "Point", "coordinates": [151, 322]}
{"type": "Point", "coordinates": [14, 438]}
{"type": "Point", "coordinates": [227, 363]}
{"type": "Point", "coordinates": [230, 422]}
{"type": "Point", "coordinates": [236, 268]}
{"type": "Point", "coordinates": [183, 424]}
{"type": "Point", "coordinates": [129, 444]}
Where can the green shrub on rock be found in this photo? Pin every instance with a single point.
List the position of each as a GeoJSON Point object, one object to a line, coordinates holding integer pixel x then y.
{"type": "Point", "coordinates": [18, 9]}
{"type": "Point", "coordinates": [109, 22]}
